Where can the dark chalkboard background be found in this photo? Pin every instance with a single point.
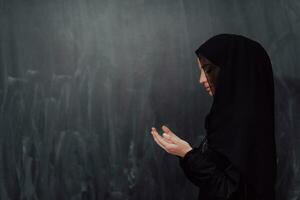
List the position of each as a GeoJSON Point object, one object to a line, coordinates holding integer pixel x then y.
{"type": "Point", "coordinates": [83, 81]}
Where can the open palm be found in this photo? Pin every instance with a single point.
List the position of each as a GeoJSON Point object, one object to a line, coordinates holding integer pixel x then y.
{"type": "Point", "coordinates": [170, 142]}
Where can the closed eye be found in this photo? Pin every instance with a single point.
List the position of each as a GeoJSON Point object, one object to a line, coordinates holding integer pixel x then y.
{"type": "Point", "coordinates": [208, 68]}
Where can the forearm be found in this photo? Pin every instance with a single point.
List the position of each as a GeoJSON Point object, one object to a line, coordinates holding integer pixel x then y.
{"type": "Point", "coordinates": [211, 171]}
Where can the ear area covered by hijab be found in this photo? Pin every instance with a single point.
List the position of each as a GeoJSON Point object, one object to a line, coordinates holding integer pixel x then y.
{"type": "Point", "coordinates": [240, 124]}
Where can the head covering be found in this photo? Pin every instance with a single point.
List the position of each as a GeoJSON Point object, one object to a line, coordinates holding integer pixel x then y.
{"type": "Point", "coordinates": [240, 124]}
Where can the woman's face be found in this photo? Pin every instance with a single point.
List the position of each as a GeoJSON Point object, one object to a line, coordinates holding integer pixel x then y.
{"type": "Point", "coordinates": [208, 75]}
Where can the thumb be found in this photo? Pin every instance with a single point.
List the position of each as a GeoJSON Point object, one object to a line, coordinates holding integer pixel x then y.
{"type": "Point", "coordinates": [167, 130]}
{"type": "Point", "coordinates": [170, 133]}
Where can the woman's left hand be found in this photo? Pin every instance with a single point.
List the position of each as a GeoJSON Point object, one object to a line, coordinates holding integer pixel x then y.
{"type": "Point", "coordinates": [170, 142]}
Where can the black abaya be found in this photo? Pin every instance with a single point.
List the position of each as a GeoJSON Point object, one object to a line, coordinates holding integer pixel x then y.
{"type": "Point", "coordinates": [237, 158]}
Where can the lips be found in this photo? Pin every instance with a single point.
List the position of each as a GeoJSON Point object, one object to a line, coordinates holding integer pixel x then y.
{"type": "Point", "coordinates": [207, 88]}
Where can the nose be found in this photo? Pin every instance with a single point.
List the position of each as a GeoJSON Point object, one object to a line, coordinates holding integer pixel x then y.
{"type": "Point", "coordinates": [202, 78]}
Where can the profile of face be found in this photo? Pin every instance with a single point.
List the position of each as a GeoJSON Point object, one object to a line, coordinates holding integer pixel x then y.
{"type": "Point", "coordinates": [208, 75]}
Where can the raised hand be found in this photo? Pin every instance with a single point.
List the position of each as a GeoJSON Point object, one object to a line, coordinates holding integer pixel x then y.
{"type": "Point", "coordinates": [170, 142]}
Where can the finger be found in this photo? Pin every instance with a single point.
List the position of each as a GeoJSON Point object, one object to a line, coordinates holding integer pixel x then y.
{"type": "Point", "coordinates": [156, 140]}
{"type": "Point", "coordinates": [167, 138]}
{"type": "Point", "coordinates": [162, 141]}
{"type": "Point", "coordinates": [172, 137]}
{"type": "Point", "coordinates": [167, 130]}
{"type": "Point", "coordinates": [155, 134]}
{"type": "Point", "coordinates": [159, 138]}
{"type": "Point", "coordinates": [154, 129]}
{"type": "Point", "coordinates": [167, 146]}
{"type": "Point", "coordinates": [165, 135]}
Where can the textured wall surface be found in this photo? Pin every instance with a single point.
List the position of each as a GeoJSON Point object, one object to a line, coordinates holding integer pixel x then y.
{"type": "Point", "coordinates": [83, 81]}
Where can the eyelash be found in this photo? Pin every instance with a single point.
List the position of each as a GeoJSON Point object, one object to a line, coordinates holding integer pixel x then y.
{"type": "Point", "coordinates": [208, 71]}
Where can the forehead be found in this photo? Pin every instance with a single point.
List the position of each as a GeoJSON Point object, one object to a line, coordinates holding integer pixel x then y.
{"type": "Point", "coordinates": [202, 61]}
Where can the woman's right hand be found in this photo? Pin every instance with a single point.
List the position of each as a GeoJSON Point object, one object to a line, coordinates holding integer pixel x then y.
{"type": "Point", "coordinates": [170, 142]}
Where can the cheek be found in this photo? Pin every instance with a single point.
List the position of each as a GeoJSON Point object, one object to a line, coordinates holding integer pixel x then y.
{"type": "Point", "coordinates": [211, 80]}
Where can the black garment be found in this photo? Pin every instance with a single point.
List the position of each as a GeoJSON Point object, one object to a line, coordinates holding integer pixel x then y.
{"type": "Point", "coordinates": [214, 174]}
{"type": "Point", "coordinates": [240, 124]}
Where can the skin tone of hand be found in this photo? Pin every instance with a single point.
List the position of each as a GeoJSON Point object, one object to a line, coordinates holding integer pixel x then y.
{"type": "Point", "coordinates": [170, 142]}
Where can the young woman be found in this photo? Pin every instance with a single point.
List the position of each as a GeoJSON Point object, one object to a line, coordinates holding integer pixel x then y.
{"type": "Point", "coordinates": [237, 158]}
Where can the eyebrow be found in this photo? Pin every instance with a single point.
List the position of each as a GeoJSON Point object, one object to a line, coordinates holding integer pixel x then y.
{"type": "Point", "coordinates": [202, 66]}
{"type": "Point", "coordinates": [207, 64]}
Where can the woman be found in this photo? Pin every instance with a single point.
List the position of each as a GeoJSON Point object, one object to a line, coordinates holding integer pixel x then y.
{"type": "Point", "coordinates": [237, 158]}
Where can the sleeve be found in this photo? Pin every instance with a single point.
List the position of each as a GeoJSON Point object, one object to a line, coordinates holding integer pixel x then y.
{"type": "Point", "coordinates": [212, 171]}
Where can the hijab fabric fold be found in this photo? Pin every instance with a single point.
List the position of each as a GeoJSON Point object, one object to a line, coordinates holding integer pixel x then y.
{"type": "Point", "coordinates": [240, 124]}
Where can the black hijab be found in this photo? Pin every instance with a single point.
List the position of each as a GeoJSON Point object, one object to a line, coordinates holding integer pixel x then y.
{"type": "Point", "coordinates": [240, 124]}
